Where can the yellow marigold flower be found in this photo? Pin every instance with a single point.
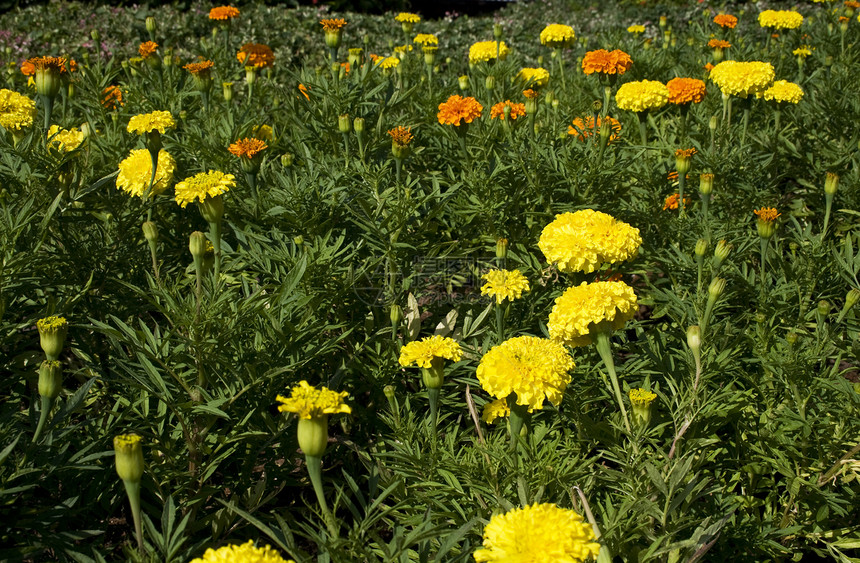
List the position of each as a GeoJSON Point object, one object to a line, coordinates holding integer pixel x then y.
{"type": "Point", "coordinates": [534, 368]}
{"type": "Point", "coordinates": [136, 170]}
{"type": "Point", "coordinates": [401, 135]}
{"type": "Point", "coordinates": [534, 77]}
{"type": "Point", "coordinates": [407, 17]}
{"type": "Point", "coordinates": [780, 19]}
{"type": "Point", "coordinates": [726, 21]}
{"type": "Point", "coordinates": [802, 51]}
{"type": "Point", "coordinates": [245, 553]}
{"type": "Point", "coordinates": [16, 111]}
{"type": "Point", "coordinates": [742, 79]}
{"type": "Point", "coordinates": [457, 110]}
{"type": "Point", "coordinates": [557, 35]}
{"type": "Point", "coordinates": [784, 91]}
{"type": "Point", "coordinates": [601, 61]}
{"type": "Point", "coordinates": [426, 39]}
{"type": "Point", "coordinates": [248, 147]}
{"type": "Point", "coordinates": [159, 121]}
{"type": "Point", "coordinates": [641, 397]}
{"type": "Point", "coordinates": [686, 91]}
{"type": "Point", "coordinates": [584, 128]}
{"type": "Point", "coordinates": [583, 240]}
{"type": "Point", "coordinates": [580, 309]}
{"type": "Point", "coordinates": [636, 29]}
{"type": "Point", "coordinates": [422, 352]}
{"type": "Point", "coordinates": [495, 409]}
{"type": "Point", "coordinates": [767, 214]}
{"type": "Point", "coordinates": [333, 24]}
{"type": "Point", "coordinates": [112, 97]}
{"type": "Point", "coordinates": [504, 284]}
{"type": "Point", "coordinates": [309, 402]}
{"type": "Point", "coordinates": [642, 95]}
{"type": "Point", "coordinates": [146, 49]}
{"type": "Point", "coordinates": [540, 533]}
{"type": "Point", "coordinates": [498, 110]}
{"type": "Point", "coordinates": [203, 185]}
{"type": "Point", "coordinates": [388, 62]}
{"type": "Point", "coordinates": [402, 49]}
{"type": "Point", "coordinates": [52, 324]}
{"type": "Point", "coordinates": [256, 55]}
{"type": "Point", "coordinates": [223, 13]}
{"type": "Point", "coordinates": [65, 140]}
{"type": "Point", "coordinates": [718, 44]}
{"type": "Point", "coordinates": [202, 68]}
{"type": "Point", "coordinates": [484, 51]}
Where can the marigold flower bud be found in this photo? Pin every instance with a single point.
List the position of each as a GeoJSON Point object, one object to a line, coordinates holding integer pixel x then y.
{"type": "Point", "coordinates": [791, 338]}
{"type": "Point", "coordinates": [250, 75]}
{"type": "Point", "coordinates": [396, 314]}
{"type": "Point", "coordinates": [343, 123]}
{"type": "Point", "coordinates": [286, 160]}
{"type": "Point", "coordinates": [831, 183]}
{"type": "Point", "coordinates": [497, 31]}
{"type": "Point", "coordinates": [852, 298]}
{"type": "Point", "coordinates": [721, 252]}
{"type": "Point", "coordinates": [502, 248]}
{"type": "Point", "coordinates": [701, 247]}
{"type": "Point", "coordinates": [151, 25]}
{"type": "Point", "coordinates": [718, 285]}
{"type": "Point", "coordinates": [463, 82]}
{"type": "Point", "coordinates": [197, 244]}
{"type": "Point", "coordinates": [640, 401]}
{"type": "Point", "coordinates": [694, 339]}
{"type": "Point", "coordinates": [298, 240]}
{"type": "Point", "coordinates": [129, 457]}
{"type": "Point", "coordinates": [706, 183]}
{"type": "Point", "coordinates": [823, 307]}
{"type": "Point", "coordinates": [95, 35]}
{"type": "Point", "coordinates": [663, 22]}
{"type": "Point", "coordinates": [150, 231]}
{"type": "Point", "coordinates": [605, 129]}
{"type": "Point", "coordinates": [712, 123]}
{"type": "Point", "coordinates": [596, 106]}
{"type": "Point", "coordinates": [50, 379]}
{"type": "Point", "coordinates": [227, 91]}
{"type": "Point", "coordinates": [52, 335]}
{"type": "Point", "coordinates": [358, 124]}
{"type": "Point", "coordinates": [313, 435]}
{"type": "Point", "coordinates": [490, 83]}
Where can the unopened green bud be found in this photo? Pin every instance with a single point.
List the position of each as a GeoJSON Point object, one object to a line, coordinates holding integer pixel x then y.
{"type": "Point", "coordinates": [286, 160]}
{"type": "Point", "coordinates": [721, 252]}
{"type": "Point", "coordinates": [596, 106]}
{"type": "Point", "coordinates": [95, 35]}
{"type": "Point", "coordinates": [694, 339]}
{"type": "Point", "coordinates": [701, 247]}
{"type": "Point", "coordinates": [463, 82]}
{"type": "Point", "coordinates": [706, 183]}
{"type": "Point", "coordinates": [760, 318]}
{"type": "Point", "coordinates": [50, 379]}
{"type": "Point", "coordinates": [852, 298]}
{"type": "Point", "coordinates": [197, 244]}
{"type": "Point", "coordinates": [250, 75]}
{"type": "Point", "coordinates": [605, 131]}
{"type": "Point", "coordinates": [227, 91]}
{"type": "Point", "coordinates": [355, 57]}
{"type": "Point", "coordinates": [52, 335]}
{"type": "Point", "coordinates": [313, 435]}
{"type": "Point", "coordinates": [298, 240]}
{"type": "Point", "coordinates": [823, 307]}
{"type": "Point", "coordinates": [150, 231]}
{"type": "Point", "coordinates": [640, 401]}
{"type": "Point", "coordinates": [712, 123]}
{"type": "Point", "coordinates": [396, 315]}
{"type": "Point", "coordinates": [831, 183]}
{"type": "Point", "coordinates": [343, 123]}
{"type": "Point", "coordinates": [490, 82]}
{"type": "Point", "coordinates": [718, 285]}
{"type": "Point", "coordinates": [497, 31]}
{"type": "Point", "coordinates": [791, 338]}
{"type": "Point", "coordinates": [502, 248]}
{"type": "Point", "coordinates": [358, 124]}
{"type": "Point", "coordinates": [129, 457]}
{"type": "Point", "coordinates": [151, 25]}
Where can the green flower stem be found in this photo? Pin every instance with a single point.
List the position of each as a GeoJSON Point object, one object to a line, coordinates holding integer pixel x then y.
{"type": "Point", "coordinates": [47, 405]}
{"type": "Point", "coordinates": [132, 489]}
{"type": "Point", "coordinates": [204, 95]}
{"type": "Point", "coordinates": [607, 96]}
{"type": "Point", "coordinates": [500, 321]}
{"type": "Point", "coordinates": [828, 201]}
{"type": "Point", "coordinates": [461, 137]}
{"type": "Point", "coordinates": [777, 116]}
{"type": "Point", "coordinates": [685, 110]}
{"type": "Point", "coordinates": [682, 181]}
{"type": "Point", "coordinates": [198, 271]}
{"type": "Point", "coordinates": [433, 395]}
{"type": "Point", "coordinates": [215, 235]}
{"type": "Point", "coordinates": [48, 103]}
{"type": "Point", "coordinates": [558, 56]}
{"type": "Point", "coordinates": [699, 263]}
{"type": "Point", "coordinates": [346, 150]}
{"type": "Point", "coordinates": [747, 105]}
{"type": "Point", "coordinates": [643, 127]}
{"type": "Point", "coordinates": [519, 414]}
{"type": "Point", "coordinates": [764, 242]}
{"type": "Point", "coordinates": [398, 165]}
{"type": "Point", "coordinates": [153, 156]}
{"type": "Point", "coordinates": [605, 351]}
{"type": "Point", "coordinates": [251, 180]}
{"type": "Point", "coordinates": [153, 252]}
{"type": "Point", "coordinates": [314, 464]}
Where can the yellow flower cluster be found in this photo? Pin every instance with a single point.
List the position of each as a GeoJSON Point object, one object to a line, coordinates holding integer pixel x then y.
{"type": "Point", "coordinates": [583, 240]}
{"type": "Point", "coordinates": [388, 62]}
{"type": "Point", "coordinates": [636, 29]}
{"type": "Point", "coordinates": [784, 91]}
{"type": "Point", "coordinates": [136, 170]}
{"type": "Point", "coordinates": [16, 111]}
{"type": "Point", "coordinates": [495, 409]}
{"type": "Point", "coordinates": [780, 19]}
{"type": "Point", "coordinates": [504, 284]}
{"type": "Point", "coordinates": [159, 121]}
{"type": "Point", "coordinates": [579, 310]}
{"type": "Point", "coordinates": [422, 352]}
{"type": "Point", "coordinates": [426, 39]}
{"type": "Point", "coordinates": [52, 324]}
{"type": "Point", "coordinates": [557, 35]}
{"type": "Point", "coordinates": [309, 402]}
{"type": "Point", "coordinates": [802, 51]}
{"type": "Point", "coordinates": [484, 51]}
{"type": "Point", "coordinates": [534, 368]}
{"type": "Point", "coordinates": [540, 533]}
{"type": "Point", "coordinates": [407, 17]}
{"type": "Point", "coordinates": [65, 140]}
{"type": "Point", "coordinates": [245, 553]}
{"type": "Point", "coordinates": [641, 397]}
{"type": "Point", "coordinates": [742, 78]}
{"type": "Point", "coordinates": [203, 185]}
{"type": "Point", "coordinates": [643, 95]}
{"type": "Point", "coordinates": [534, 77]}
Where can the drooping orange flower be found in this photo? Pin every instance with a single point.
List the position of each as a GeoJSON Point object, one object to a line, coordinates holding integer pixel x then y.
{"type": "Point", "coordinates": [112, 97]}
{"type": "Point", "coordinates": [256, 55]}
{"type": "Point", "coordinates": [333, 24]}
{"type": "Point", "coordinates": [498, 110]}
{"type": "Point", "coordinates": [223, 13]}
{"type": "Point", "coordinates": [401, 135]}
{"type": "Point", "coordinates": [767, 214]}
{"type": "Point", "coordinates": [584, 128]}
{"type": "Point", "coordinates": [601, 61]}
{"type": "Point", "coordinates": [248, 148]}
{"type": "Point", "coordinates": [146, 49]}
{"type": "Point", "coordinates": [718, 44]}
{"type": "Point", "coordinates": [686, 90]}
{"type": "Point", "coordinates": [304, 91]}
{"type": "Point", "coordinates": [726, 21]}
{"type": "Point", "coordinates": [28, 68]}
{"type": "Point", "coordinates": [457, 110]}
{"type": "Point", "coordinates": [201, 68]}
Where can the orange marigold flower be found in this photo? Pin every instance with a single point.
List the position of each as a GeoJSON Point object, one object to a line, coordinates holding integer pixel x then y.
{"type": "Point", "coordinates": [59, 64]}
{"type": "Point", "coordinates": [248, 148]}
{"type": "Point", "coordinates": [112, 97]}
{"type": "Point", "coordinates": [709, 67]}
{"type": "Point", "coordinates": [685, 153]}
{"type": "Point", "coordinates": [202, 67]}
{"type": "Point", "coordinates": [686, 90]}
{"type": "Point", "coordinates": [767, 214]}
{"type": "Point", "coordinates": [606, 62]}
{"type": "Point", "coordinates": [223, 13]}
{"type": "Point", "coordinates": [843, 19]}
{"type": "Point", "coordinates": [718, 44]}
{"type": "Point", "coordinates": [673, 177]}
{"type": "Point", "coordinates": [333, 24]}
{"type": "Point", "coordinates": [256, 55]}
{"type": "Point", "coordinates": [672, 201]}
{"type": "Point", "coordinates": [498, 110]}
{"type": "Point", "coordinates": [458, 109]}
{"type": "Point", "coordinates": [28, 68]}
{"type": "Point", "coordinates": [401, 135]}
{"type": "Point", "coordinates": [584, 128]}
{"type": "Point", "coordinates": [726, 21]}
{"type": "Point", "coordinates": [346, 67]}
{"type": "Point", "coordinates": [530, 94]}
{"type": "Point", "coordinates": [851, 4]}
{"type": "Point", "coordinates": [304, 90]}
{"type": "Point", "coordinates": [148, 48]}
